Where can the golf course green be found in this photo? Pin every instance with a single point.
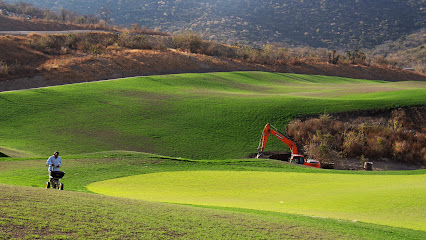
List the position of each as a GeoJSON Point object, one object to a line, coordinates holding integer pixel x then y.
{"type": "Point", "coordinates": [397, 201]}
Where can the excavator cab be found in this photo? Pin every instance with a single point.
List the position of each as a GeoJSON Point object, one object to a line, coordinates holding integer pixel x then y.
{"type": "Point", "coordinates": [299, 159]}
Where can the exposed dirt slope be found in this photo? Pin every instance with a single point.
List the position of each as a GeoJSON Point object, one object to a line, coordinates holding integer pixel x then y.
{"type": "Point", "coordinates": [23, 67]}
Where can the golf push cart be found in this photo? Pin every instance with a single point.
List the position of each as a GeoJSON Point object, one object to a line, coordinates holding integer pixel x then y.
{"type": "Point", "coordinates": [55, 180]}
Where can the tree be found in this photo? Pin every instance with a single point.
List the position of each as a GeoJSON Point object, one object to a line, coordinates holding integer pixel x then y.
{"type": "Point", "coordinates": [356, 56]}
{"type": "Point", "coordinates": [332, 58]}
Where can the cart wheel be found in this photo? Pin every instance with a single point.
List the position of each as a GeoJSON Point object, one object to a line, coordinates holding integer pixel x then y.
{"type": "Point", "coordinates": [47, 184]}
{"type": "Point", "coordinates": [61, 186]}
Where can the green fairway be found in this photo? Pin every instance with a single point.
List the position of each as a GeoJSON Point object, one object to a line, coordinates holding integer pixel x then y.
{"type": "Point", "coordinates": [157, 143]}
{"type": "Point", "coordinates": [197, 116]}
{"type": "Point", "coordinates": [397, 201]}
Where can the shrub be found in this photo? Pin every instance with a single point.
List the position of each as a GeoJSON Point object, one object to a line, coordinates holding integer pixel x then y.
{"type": "Point", "coordinates": [356, 57]}
{"type": "Point", "coordinates": [322, 147]}
{"type": "Point", "coordinates": [326, 139]}
{"type": "Point", "coordinates": [353, 144]}
{"type": "Point", "coordinates": [49, 44]}
{"type": "Point", "coordinates": [93, 43]}
{"type": "Point", "coordinates": [215, 49]}
{"type": "Point", "coordinates": [188, 41]}
{"type": "Point", "coordinates": [128, 40]}
{"type": "Point", "coordinates": [333, 58]}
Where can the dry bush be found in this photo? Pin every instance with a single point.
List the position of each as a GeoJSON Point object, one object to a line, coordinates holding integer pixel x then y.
{"type": "Point", "coordinates": [378, 146]}
{"type": "Point", "coordinates": [323, 147]}
{"type": "Point", "coordinates": [49, 44]}
{"type": "Point", "coordinates": [269, 54]}
{"type": "Point", "coordinates": [381, 61]}
{"type": "Point", "coordinates": [248, 53]}
{"type": "Point", "coordinates": [94, 43]}
{"type": "Point", "coordinates": [297, 61]}
{"type": "Point", "coordinates": [161, 43]}
{"type": "Point", "coordinates": [211, 48]}
{"type": "Point", "coordinates": [128, 40]}
{"type": "Point", "coordinates": [353, 144]}
{"type": "Point", "coordinates": [408, 147]}
{"type": "Point", "coordinates": [326, 139]}
{"type": "Point", "coordinates": [188, 42]}
{"type": "Point", "coordinates": [304, 132]}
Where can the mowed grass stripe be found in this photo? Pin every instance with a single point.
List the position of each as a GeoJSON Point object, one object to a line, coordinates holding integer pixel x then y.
{"type": "Point", "coordinates": [198, 116]}
{"type": "Point", "coordinates": [397, 201]}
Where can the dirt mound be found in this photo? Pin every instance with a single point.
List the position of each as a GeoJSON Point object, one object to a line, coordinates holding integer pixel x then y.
{"type": "Point", "coordinates": [17, 58]}
{"type": "Point", "coordinates": [15, 49]}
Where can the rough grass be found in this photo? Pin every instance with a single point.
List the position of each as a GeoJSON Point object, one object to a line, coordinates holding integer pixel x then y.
{"type": "Point", "coordinates": [42, 214]}
{"type": "Point", "coordinates": [35, 212]}
{"type": "Point", "coordinates": [217, 115]}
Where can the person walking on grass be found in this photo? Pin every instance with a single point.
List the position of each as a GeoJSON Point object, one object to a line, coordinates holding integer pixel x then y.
{"type": "Point", "coordinates": [54, 162]}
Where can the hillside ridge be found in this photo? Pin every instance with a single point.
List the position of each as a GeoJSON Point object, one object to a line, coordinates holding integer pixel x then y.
{"type": "Point", "coordinates": [45, 60]}
{"type": "Point", "coordinates": [37, 69]}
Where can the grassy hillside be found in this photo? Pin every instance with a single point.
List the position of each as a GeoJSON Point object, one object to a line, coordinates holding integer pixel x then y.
{"type": "Point", "coordinates": [217, 115]}
{"type": "Point", "coordinates": [35, 212]}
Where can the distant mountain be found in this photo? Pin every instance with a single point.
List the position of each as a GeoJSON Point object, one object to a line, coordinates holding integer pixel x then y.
{"type": "Point", "coordinates": [317, 23]}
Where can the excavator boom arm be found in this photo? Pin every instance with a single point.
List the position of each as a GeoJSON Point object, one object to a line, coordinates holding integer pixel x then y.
{"type": "Point", "coordinates": [269, 129]}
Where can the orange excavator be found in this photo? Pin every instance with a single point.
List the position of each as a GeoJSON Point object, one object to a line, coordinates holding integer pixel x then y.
{"type": "Point", "coordinates": [295, 156]}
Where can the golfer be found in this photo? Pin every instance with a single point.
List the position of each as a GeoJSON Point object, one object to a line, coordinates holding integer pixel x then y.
{"type": "Point", "coordinates": [54, 162]}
